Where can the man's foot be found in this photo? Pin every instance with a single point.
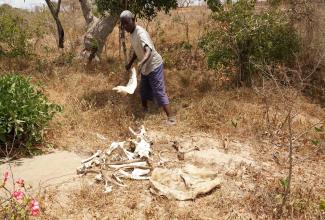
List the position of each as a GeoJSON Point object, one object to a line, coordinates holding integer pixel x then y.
{"type": "Point", "coordinates": [171, 120]}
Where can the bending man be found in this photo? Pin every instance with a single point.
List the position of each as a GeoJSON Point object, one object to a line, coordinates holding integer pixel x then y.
{"type": "Point", "coordinates": [152, 85]}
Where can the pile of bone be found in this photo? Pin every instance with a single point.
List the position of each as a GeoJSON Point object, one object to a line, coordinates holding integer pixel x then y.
{"type": "Point", "coordinates": [127, 159]}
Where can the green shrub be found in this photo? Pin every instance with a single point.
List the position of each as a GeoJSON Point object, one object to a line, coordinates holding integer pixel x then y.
{"type": "Point", "coordinates": [214, 5]}
{"type": "Point", "coordinates": [24, 112]}
{"type": "Point", "coordinates": [14, 34]}
{"type": "Point", "coordinates": [242, 38]}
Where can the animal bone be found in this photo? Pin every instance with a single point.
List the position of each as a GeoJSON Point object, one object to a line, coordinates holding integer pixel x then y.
{"type": "Point", "coordinates": [84, 172]}
{"type": "Point", "coordinates": [97, 162]}
{"type": "Point", "coordinates": [134, 167]}
{"type": "Point", "coordinates": [142, 148]}
{"type": "Point", "coordinates": [92, 157]}
{"type": "Point", "coordinates": [140, 172]}
{"type": "Point", "coordinates": [108, 189]}
{"type": "Point", "coordinates": [88, 164]}
{"type": "Point", "coordinates": [130, 165]}
{"type": "Point", "coordinates": [120, 145]}
{"type": "Point", "coordinates": [114, 146]}
{"type": "Point", "coordinates": [81, 169]}
{"type": "Point", "coordinates": [130, 176]}
{"type": "Point", "coordinates": [131, 86]}
{"type": "Point", "coordinates": [107, 178]}
{"type": "Point", "coordinates": [125, 162]}
{"type": "Point", "coordinates": [99, 177]}
{"type": "Point", "coordinates": [129, 155]}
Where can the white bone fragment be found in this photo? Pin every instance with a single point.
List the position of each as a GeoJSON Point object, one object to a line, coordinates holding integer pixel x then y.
{"type": "Point", "coordinates": [81, 169]}
{"type": "Point", "coordinates": [136, 164]}
{"type": "Point", "coordinates": [125, 162]}
{"type": "Point", "coordinates": [131, 86]}
{"type": "Point", "coordinates": [140, 172]}
{"type": "Point", "coordinates": [121, 164]}
{"type": "Point", "coordinates": [117, 178]}
{"type": "Point", "coordinates": [114, 146]}
{"type": "Point", "coordinates": [88, 164]}
{"type": "Point", "coordinates": [97, 162]}
{"type": "Point", "coordinates": [130, 176]}
{"type": "Point", "coordinates": [142, 148]}
{"type": "Point", "coordinates": [128, 154]}
{"type": "Point", "coordinates": [108, 189]}
{"type": "Point", "coordinates": [99, 177]}
{"type": "Point", "coordinates": [92, 157]}
{"type": "Point", "coordinates": [120, 145]}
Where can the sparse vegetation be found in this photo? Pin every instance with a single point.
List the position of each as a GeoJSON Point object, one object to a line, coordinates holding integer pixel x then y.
{"type": "Point", "coordinates": [14, 34]}
{"type": "Point", "coordinates": [251, 119]}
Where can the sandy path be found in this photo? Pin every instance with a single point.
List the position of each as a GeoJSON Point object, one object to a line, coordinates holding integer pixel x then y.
{"type": "Point", "coordinates": [57, 168]}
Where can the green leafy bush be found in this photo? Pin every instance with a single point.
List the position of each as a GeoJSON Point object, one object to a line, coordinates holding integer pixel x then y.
{"type": "Point", "coordinates": [24, 112]}
{"type": "Point", "coordinates": [142, 8]}
{"type": "Point", "coordinates": [13, 34]}
{"type": "Point", "coordinates": [214, 5]}
{"type": "Point", "coordinates": [242, 38]}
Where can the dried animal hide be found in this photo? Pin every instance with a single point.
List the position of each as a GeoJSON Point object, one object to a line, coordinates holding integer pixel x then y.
{"type": "Point", "coordinates": [131, 86]}
{"type": "Point", "coordinates": [183, 184]}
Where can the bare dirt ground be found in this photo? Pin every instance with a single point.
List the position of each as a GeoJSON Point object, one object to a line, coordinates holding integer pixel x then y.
{"type": "Point", "coordinates": [243, 169]}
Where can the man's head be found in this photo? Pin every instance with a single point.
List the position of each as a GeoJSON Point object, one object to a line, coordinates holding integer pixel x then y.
{"type": "Point", "coordinates": [128, 21]}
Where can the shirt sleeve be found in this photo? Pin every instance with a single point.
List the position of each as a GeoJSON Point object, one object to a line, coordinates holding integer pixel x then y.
{"type": "Point", "coordinates": [145, 40]}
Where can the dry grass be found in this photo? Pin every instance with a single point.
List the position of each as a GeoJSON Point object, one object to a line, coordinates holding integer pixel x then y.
{"type": "Point", "coordinates": [203, 104]}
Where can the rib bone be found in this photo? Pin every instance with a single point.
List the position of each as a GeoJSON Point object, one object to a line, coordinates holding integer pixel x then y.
{"type": "Point", "coordinates": [92, 157]}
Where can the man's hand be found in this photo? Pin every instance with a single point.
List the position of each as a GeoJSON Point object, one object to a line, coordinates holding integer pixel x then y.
{"type": "Point", "coordinates": [128, 66]}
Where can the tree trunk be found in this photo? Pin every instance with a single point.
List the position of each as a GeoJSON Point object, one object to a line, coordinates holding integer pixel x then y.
{"type": "Point", "coordinates": [97, 31]}
{"type": "Point", "coordinates": [55, 14]}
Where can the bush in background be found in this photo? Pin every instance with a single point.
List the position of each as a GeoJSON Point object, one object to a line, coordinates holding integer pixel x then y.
{"type": "Point", "coordinates": [214, 5]}
{"type": "Point", "coordinates": [242, 38]}
{"type": "Point", "coordinates": [14, 33]}
{"type": "Point", "coordinates": [24, 112]}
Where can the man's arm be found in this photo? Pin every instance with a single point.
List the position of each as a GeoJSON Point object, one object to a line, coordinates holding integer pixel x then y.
{"type": "Point", "coordinates": [133, 57]}
{"type": "Point", "coordinates": [147, 53]}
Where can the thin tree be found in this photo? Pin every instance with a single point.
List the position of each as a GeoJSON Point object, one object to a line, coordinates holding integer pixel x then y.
{"type": "Point", "coordinates": [55, 10]}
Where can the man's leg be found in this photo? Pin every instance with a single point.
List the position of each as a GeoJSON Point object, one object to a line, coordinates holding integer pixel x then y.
{"type": "Point", "coordinates": [157, 84]}
{"type": "Point", "coordinates": [145, 92]}
{"type": "Point", "coordinates": [145, 105]}
{"type": "Point", "coordinates": [167, 110]}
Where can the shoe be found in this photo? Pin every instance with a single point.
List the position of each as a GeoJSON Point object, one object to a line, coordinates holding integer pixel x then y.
{"type": "Point", "coordinates": [171, 120]}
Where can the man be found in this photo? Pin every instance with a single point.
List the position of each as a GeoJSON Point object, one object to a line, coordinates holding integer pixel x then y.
{"type": "Point", "coordinates": [150, 65]}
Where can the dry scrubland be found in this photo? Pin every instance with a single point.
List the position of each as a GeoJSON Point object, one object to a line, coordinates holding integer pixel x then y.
{"type": "Point", "coordinates": [206, 105]}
